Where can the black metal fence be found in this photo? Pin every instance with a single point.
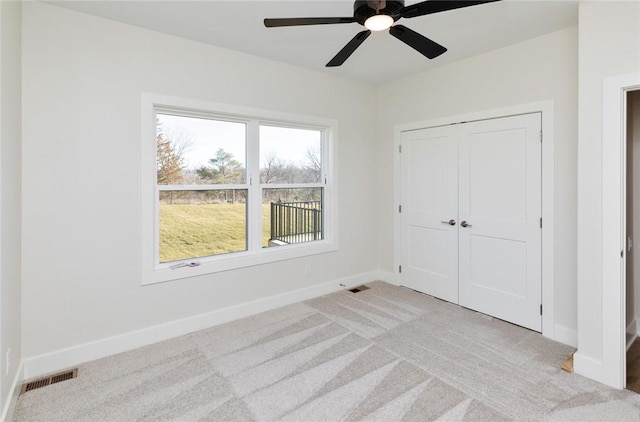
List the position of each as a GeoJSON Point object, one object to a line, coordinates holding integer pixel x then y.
{"type": "Point", "coordinates": [296, 222]}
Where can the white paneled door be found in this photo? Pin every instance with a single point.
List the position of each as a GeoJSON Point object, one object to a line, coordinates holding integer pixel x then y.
{"type": "Point", "coordinates": [485, 176]}
{"type": "Point", "coordinates": [429, 211]}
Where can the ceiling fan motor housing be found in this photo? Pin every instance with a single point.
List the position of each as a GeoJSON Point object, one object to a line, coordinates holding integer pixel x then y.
{"type": "Point", "coordinates": [363, 11]}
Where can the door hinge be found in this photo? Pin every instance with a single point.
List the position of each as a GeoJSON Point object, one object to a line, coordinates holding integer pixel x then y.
{"type": "Point", "coordinates": [540, 309]}
{"type": "Point", "coordinates": [399, 148]}
{"type": "Point", "coordinates": [540, 136]}
{"type": "Point", "coordinates": [400, 269]}
{"type": "Point", "coordinates": [622, 254]}
{"type": "Point", "coordinates": [400, 208]}
{"type": "Point", "coordinates": [540, 222]}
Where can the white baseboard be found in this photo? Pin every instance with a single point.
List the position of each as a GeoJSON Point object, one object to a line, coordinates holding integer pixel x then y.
{"type": "Point", "coordinates": [586, 366]}
{"type": "Point", "coordinates": [12, 398]}
{"type": "Point", "coordinates": [597, 370]}
{"type": "Point", "coordinates": [385, 276]}
{"type": "Point", "coordinates": [36, 366]}
{"type": "Point", "coordinates": [560, 333]}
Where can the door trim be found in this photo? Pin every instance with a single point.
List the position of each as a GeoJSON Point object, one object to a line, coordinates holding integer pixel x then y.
{"type": "Point", "coordinates": [549, 328]}
{"type": "Point", "coordinates": [611, 370]}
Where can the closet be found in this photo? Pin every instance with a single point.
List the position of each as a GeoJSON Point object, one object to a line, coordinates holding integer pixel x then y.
{"type": "Point", "coordinates": [471, 215]}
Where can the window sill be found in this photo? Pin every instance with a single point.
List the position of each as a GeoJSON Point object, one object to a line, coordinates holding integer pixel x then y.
{"type": "Point", "coordinates": [228, 262]}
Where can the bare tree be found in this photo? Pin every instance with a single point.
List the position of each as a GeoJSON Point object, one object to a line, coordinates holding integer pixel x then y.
{"type": "Point", "coordinates": [181, 141]}
{"type": "Point", "coordinates": [272, 169]}
{"type": "Point", "coordinates": [313, 166]}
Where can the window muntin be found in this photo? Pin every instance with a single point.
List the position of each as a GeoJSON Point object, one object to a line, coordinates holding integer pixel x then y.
{"type": "Point", "coordinates": [156, 269]}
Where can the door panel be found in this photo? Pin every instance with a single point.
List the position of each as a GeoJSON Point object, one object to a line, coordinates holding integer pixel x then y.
{"type": "Point", "coordinates": [498, 265]}
{"type": "Point", "coordinates": [496, 181]}
{"type": "Point", "coordinates": [429, 180]}
{"type": "Point", "coordinates": [500, 198]}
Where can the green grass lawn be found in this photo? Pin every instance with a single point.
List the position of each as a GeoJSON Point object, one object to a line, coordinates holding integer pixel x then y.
{"type": "Point", "coordinates": [197, 230]}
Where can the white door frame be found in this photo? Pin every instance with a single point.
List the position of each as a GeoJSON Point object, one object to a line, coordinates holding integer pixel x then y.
{"type": "Point", "coordinates": [549, 328]}
{"type": "Point", "coordinates": [614, 152]}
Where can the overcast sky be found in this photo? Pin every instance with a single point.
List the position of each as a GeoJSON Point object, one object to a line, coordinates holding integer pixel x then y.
{"type": "Point", "coordinates": [206, 136]}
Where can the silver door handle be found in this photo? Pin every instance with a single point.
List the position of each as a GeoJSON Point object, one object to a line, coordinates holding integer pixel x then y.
{"type": "Point", "coordinates": [465, 224]}
{"type": "Point", "coordinates": [451, 222]}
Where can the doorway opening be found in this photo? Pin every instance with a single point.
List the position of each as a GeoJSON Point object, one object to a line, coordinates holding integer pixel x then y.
{"type": "Point", "coordinates": [609, 367]}
{"type": "Point", "coordinates": [632, 263]}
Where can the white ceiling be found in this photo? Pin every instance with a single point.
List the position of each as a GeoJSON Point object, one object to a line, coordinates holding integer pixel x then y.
{"type": "Point", "coordinates": [237, 25]}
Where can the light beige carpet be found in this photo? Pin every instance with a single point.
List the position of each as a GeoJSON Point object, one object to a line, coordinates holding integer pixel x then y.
{"type": "Point", "coordinates": [383, 354]}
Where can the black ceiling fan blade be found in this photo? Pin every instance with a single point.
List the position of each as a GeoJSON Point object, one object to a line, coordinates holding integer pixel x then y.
{"type": "Point", "coordinates": [434, 6]}
{"type": "Point", "coordinates": [272, 23]}
{"type": "Point", "coordinates": [420, 43]}
{"type": "Point", "coordinates": [348, 49]}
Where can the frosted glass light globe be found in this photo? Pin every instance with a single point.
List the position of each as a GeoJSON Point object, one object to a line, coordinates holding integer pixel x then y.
{"type": "Point", "coordinates": [378, 22]}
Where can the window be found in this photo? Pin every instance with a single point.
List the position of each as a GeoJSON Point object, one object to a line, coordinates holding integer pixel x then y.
{"type": "Point", "coordinates": [225, 188]}
{"type": "Point", "coordinates": [290, 179]}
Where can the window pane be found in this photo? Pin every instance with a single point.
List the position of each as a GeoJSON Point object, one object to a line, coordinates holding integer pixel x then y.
{"type": "Point", "coordinates": [195, 224]}
{"type": "Point", "coordinates": [291, 216]}
{"type": "Point", "coordinates": [193, 151]}
{"type": "Point", "coordinates": [290, 155]}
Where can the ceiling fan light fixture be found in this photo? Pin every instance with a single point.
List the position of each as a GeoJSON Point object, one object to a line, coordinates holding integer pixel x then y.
{"type": "Point", "coordinates": [380, 15]}
{"type": "Point", "coordinates": [379, 22]}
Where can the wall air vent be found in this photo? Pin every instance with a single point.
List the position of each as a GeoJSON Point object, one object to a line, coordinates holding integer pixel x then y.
{"type": "Point", "coordinates": [51, 379]}
{"type": "Point", "coordinates": [358, 289]}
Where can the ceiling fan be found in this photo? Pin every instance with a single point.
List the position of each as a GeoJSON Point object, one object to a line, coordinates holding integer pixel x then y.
{"type": "Point", "coordinates": [378, 15]}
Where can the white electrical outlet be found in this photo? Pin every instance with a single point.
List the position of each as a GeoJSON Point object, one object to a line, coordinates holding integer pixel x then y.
{"type": "Point", "coordinates": [307, 269]}
{"type": "Point", "coordinates": [7, 361]}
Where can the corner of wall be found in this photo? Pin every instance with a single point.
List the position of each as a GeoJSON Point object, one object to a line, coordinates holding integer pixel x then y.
{"type": "Point", "coordinates": [11, 400]}
{"type": "Point", "coordinates": [564, 335]}
{"type": "Point", "coordinates": [10, 204]}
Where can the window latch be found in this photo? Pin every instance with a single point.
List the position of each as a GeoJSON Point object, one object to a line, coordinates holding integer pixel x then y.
{"type": "Point", "coordinates": [184, 264]}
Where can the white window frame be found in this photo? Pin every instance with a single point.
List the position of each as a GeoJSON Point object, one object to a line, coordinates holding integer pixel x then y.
{"type": "Point", "coordinates": [155, 272]}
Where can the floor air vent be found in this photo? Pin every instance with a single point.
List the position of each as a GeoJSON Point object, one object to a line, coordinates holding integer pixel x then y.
{"type": "Point", "coordinates": [51, 379]}
{"type": "Point", "coordinates": [358, 289]}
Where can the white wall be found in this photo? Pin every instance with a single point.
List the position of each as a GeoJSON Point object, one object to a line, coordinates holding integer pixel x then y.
{"type": "Point", "coordinates": [539, 69]}
{"type": "Point", "coordinates": [10, 309]}
{"type": "Point", "coordinates": [609, 45]}
{"type": "Point", "coordinates": [83, 77]}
